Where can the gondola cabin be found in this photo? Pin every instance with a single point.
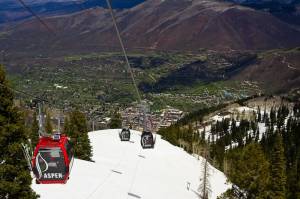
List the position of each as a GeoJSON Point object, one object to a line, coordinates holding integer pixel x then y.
{"type": "Point", "coordinates": [52, 159]}
{"type": "Point", "coordinates": [125, 134]}
{"type": "Point", "coordinates": [147, 140]}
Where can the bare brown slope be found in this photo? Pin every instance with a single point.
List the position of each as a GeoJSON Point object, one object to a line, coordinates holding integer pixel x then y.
{"type": "Point", "coordinates": [157, 24]}
{"type": "Point", "coordinates": [278, 71]}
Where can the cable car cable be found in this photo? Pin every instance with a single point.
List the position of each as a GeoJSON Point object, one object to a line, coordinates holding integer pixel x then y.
{"type": "Point", "coordinates": [99, 186]}
{"type": "Point", "coordinates": [24, 5]}
{"type": "Point", "coordinates": [126, 58]}
{"type": "Point", "coordinates": [134, 175]}
{"type": "Point", "coordinates": [41, 132]}
{"type": "Point", "coordinates": [24, 93]}
{"type": "Point", "coordinates": [118, 34]}
{"type": "Point", "coordinates": [123, 49]}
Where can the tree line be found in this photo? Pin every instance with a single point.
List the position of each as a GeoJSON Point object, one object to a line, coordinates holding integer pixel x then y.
{"type": "Point", "coordinates": [260, 154]}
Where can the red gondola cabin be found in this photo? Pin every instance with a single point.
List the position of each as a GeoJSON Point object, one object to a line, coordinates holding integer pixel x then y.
{"type": "Point", "coordinates": [52, 159]}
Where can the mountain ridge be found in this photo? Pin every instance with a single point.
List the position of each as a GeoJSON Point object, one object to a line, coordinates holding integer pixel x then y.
{"type": "Point", "coordinates": [160, 25]}
{"type": "Point", "coordinates": [13, 11]}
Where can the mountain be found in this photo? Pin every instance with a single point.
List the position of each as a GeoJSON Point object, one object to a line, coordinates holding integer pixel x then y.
{"type": "Point", "coordinates": [125, 170]}
{"type": "Point", "coordinates": [286, 2]}
{"type": "Point", "coordinates": [12, 11]}
{"type": "Point", "coordinates": [270, 5]}
{"type": "Point", "coordinates": [286, 10]}
{"type": "Point", "coordinates": [156, 24]}
{"type": "Point", "coordinates": [211, 68]}
{"type": "Point", "coordinates": [277, 71]}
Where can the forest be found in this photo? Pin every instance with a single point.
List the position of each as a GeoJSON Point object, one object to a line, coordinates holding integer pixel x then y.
{"type": "Point", "coordinates": [260, 153]}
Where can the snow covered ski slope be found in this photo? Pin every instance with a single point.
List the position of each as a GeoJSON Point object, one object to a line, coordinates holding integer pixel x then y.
{"type": "Point", "coordinates": [124, 170]}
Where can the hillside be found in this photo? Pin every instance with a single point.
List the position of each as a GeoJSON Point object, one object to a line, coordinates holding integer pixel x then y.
{"type": "Point", "coordinates": [276, 70]}
{"type": "Point", "coordinates": [166, 25]}
{"type": "Point", "coordinates": [182, 80]}
{"type": "Point", "coordinates": [124, 170]}
{"type": "Point", "coordinates": [12, 10]}
{"type": "Point", "coordinates": [254, 142]}
{"type": "Point", "coordinates": [286, 10]}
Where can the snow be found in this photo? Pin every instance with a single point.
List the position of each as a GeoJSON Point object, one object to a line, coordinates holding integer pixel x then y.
{"type": "Point", "coordinates": [207, 131]}
{"type": "Point", "coordinates": [232, 146]}
{"type": "Point", "coordinates": [262, 129]}
{"type": "Point", "coordinates": [59, 86]}
{"type": "Point", "coordinates": [219, 118]}
{"type": "Point", "coordinates": [125, 170]}
{"type": "Point", "coordinates": [244, 108]}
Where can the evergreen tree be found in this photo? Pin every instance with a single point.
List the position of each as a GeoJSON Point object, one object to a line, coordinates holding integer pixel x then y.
{"type": "Point", "coordinates": [48, 125]}
{"type": "Point", "coordinates": [66, 129]}
{"type": "Point", "coordinates": [293, 188]}
{"type": "Point", "coordinates": [34, 131]}
{"type": "Point", "coordinates": [258, 114]}
{"type": "Point", "coordinates": [282, 113]}
{"type": "Point", "coordinates": [278, 169]}
{"type": "Point", "coordinates": [267, 121]}
{"type": "Point", "coordinates": [263, 142]}
{"type": "Point", "coordinates": [79, 135]}
{"type": "Point", "coordinates": [14, 174]}
{"type": "Point", "coordinates": [273, 116]}
{"type": "Point", "coordinates": [233, 130]}
{"type": "Point", "coordinates": [257, 135]}
{"type": "Point", "coordinates": [190, 138]}
{"type": "Point", "coordinates": [296, 109]}
{"type": "Point", "coordinates": [265, 115]}
{"type": "Point", "coordinates": [254, 127]}
{"type": "Point", "coordinates": [116, 121]}
{"type": "Point", "coordinates": [250, 171]}
{"type": "Point", "coordinates": [203, 135]}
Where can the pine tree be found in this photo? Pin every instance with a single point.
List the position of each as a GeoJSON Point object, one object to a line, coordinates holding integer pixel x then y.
{"type": "Point", "coordinates": [66, 129]}
{"type": "Point", "coordinates": [48, 126]}
{"type": "Point", "coordinates": [14, 174]}
{"type": "Point", "coordinates": [265, 115]}
{"type": "Point", "coordinates": [34, 131]}
{"type": "Point", "coordinates": [116, 121]}
{"type": "Point", "coordinates": [258, 114]}
{"type": "Point", "coordinates": [263, 142]}
{"type": "Point", "coordinates": [273, 116]}
{"type": "Point", "coordinates": [267, 120]}
{"type": "Point", "coordinates": [257, 135]}
{"type": "Point", "coordinates": [79, 135]}
{"type": "Point", "coordinates": [203, 135]}
{"type": "Point", "coordinates": [190, 138]}
{"type": "Point", "coordinates": [250, 171]}
{"type": "Point", "coordinates": [278, 169]}
{"type": "Point", "coordinates": [296, 110]}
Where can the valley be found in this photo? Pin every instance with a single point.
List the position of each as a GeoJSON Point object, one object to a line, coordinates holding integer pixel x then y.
{"type": "Point", "coordinates": [101, 82]}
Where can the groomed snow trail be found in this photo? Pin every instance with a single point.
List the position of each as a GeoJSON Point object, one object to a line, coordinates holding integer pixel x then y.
{"type": "Point", "coordinates": [123, 170]}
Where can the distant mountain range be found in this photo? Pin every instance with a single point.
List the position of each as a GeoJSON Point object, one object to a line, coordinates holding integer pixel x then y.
{"type": "Point", "coordinates": [286, 10]}
{"type": "Point", "coordinates": [156, 24]}
{"type": "Point", "coordinates": [272, 6]}
{"type": "Point", "coordinates": [264, 1]}
{"type": "Point", "coordinates": [10, 4]}
{"type": "Point", "coordinates": [12, 10]}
